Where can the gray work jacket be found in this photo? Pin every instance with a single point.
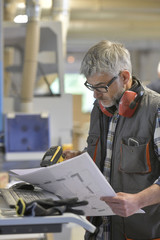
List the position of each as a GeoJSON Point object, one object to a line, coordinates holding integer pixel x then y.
{"type": "Point", "coordinates": [133, 168]}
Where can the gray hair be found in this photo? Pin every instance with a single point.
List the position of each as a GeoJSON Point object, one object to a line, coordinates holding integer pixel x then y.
{"type": "Point", "coordinates": [106, 57]}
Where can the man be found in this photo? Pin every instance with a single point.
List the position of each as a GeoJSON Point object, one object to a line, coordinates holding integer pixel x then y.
{"type": "Point", "coordinates": [155, 85]}
{"type": "Point", "coordinates": [124, 142]}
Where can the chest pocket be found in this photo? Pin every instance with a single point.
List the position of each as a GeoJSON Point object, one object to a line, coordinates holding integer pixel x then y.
{"type": "Point", "coordinates": [135, 158]}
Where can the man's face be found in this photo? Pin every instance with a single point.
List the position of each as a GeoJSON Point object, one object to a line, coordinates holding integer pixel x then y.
{"type": "Point", "coordinates": [107, 96]}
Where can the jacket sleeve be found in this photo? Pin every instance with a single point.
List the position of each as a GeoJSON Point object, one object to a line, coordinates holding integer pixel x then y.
{"type": "Point", "coordinates": [157, 140]}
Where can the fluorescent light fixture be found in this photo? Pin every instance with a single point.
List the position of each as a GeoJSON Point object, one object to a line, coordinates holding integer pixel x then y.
{"type": "Point", "coordinates": [158, 68]}
{"type": "Point", "coordinates": [21, 5]}
{"type": "Point", "coordinates": [21, 19]}
{"type": "Point", "coordinates": [46, 3]}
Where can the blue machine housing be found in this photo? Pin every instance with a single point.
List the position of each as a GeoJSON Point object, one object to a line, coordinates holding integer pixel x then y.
{"type": "Point", "coordinates": [26, 133]}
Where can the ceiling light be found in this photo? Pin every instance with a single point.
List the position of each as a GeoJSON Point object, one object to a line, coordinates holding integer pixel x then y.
{"type": "Point", "coordinates": [46, 3]}
{"type": "Point", "coordinates": [21, 19]}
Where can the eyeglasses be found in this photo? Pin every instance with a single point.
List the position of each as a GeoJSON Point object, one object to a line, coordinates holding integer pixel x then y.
{"type": "Point", "coordinates": [102, 89]}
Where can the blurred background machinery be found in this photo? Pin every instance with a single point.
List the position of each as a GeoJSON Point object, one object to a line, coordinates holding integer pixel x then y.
{"type": "Point", "coordinates": [42, 43]}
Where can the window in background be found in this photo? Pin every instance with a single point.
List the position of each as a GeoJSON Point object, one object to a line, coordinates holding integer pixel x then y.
{"type": "Point", "coordinates": [74, 84]}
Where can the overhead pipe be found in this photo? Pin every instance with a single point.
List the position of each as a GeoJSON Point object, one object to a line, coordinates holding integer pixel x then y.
{"type": "Point", "coordinates": [61, 12]}
{"type": "Point", "coordinates": [9, 9]}
{"type": "Point", "coordinates": [33, 11]}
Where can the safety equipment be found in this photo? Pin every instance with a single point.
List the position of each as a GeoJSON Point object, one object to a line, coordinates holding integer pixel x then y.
{"type": "Point", "coordinates": [48, 207]}
{"type": "Point", "coordinates": [127, 104]}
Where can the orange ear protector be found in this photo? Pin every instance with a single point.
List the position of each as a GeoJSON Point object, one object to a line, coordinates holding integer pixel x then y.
{"type": "Point", "coordinates": [127, 105]}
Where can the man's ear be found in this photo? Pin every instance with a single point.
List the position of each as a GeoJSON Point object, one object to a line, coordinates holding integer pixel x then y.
{"type": "Point", "coordinates": [125, 74]}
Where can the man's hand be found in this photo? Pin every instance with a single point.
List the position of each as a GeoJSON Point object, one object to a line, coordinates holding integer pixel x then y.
{"type": "Point", "coordinates": [70, 154]}
{"type": "Point", "coordinates": [125, 204]}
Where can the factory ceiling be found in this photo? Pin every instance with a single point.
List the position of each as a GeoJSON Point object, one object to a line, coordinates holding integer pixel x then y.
{"type": "Point", "coordinates": [136, 23]}
{"type": "Point", "coordinates": [125, 20]}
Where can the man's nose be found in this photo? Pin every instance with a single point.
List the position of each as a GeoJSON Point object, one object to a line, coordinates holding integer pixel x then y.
{"type": "Point", "coordinates": [96, 94]}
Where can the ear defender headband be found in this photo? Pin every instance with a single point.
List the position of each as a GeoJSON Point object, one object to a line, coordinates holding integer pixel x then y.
{"type": "Point", "coordinates": [127, 105]}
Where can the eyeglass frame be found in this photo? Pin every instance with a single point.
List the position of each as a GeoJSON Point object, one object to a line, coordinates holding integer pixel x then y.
{"type": "Point", "coordinates": [105, 87]}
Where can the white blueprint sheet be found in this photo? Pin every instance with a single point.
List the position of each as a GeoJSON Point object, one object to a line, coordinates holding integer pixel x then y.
{"type": "Point", "coordinates": [76, 177]}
